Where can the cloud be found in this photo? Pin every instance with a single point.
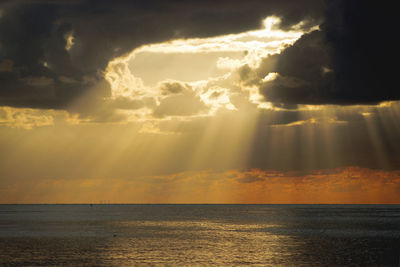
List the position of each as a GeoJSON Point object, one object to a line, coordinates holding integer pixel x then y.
{"type": "Point", "coordinates": [40, 81]}
{"type": "Point", "coordinates": [25, 118]}
{"type": "Point", "coordinates": [75, 55]}
{"type": "Point", "coordinates": [172, 88]}
{"type": "Point", "coordinates": [6, 66]}
{"type": "Point", "coordinates": [342, 185]}
{"type": "Point", "coordinates": [52, 61]}
{"type": "Point", "coordinates": [345, 62]}
{"type": "Point", "coordinates": [179, 100]}
{"type": "Point", "coordinates": [75, 40]}
{"type": "Point", "coordinates": [348, 185]}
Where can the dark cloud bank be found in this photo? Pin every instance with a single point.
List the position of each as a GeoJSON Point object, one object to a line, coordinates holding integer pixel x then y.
{"type": "Point", "coordinates": [347, 62]}
{"type": "Point", "coordinates": [351, 60]}
{"type": "Point", "coordinates": [36, 69]}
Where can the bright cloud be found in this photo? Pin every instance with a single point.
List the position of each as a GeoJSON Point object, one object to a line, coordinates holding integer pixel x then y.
{"type": "Point", "coordinates": [224, 55]}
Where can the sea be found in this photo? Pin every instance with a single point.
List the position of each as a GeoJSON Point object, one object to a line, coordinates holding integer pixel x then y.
{"type": "Point", "coordinates": [199, 235]}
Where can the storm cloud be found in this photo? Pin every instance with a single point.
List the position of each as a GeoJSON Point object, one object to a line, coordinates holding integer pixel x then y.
{"type": "Point", "coordinates": [52, 52]}
{"type": "Point", "coordinates": [347, 61]}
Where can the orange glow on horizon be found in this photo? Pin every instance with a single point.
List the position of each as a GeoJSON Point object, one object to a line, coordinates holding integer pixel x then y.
{"type": "Point", "coordinates": [351, 185]}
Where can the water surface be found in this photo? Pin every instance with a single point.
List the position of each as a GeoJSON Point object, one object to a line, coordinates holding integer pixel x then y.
{"type": "Point", "coordinates": [226, 235]}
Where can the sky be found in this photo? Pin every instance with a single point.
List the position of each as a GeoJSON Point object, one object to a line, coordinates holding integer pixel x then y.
{"type": "Point", "coordinates": [195, 101]}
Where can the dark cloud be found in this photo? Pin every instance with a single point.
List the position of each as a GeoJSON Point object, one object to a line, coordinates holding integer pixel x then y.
{"type": "Point", "coordinates": [349, 61]}
{"type": "Point", "coordinates": [250, 178]}
{"type": "Point", "coordinates": [172, 88]}
{"type": "Point", "coordinates": [181, 100]}
{"type": "Point", "coordinates": [33, 38]}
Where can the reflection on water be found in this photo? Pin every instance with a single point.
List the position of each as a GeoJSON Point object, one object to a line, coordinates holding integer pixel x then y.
{"type": "Point", "coordinates": [115, 235]}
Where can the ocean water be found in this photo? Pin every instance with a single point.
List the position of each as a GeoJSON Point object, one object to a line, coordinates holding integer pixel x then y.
{"type": "Point", "coordinates": [187, 235]}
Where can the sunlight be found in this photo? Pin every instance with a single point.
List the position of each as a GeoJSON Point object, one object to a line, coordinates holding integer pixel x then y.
{"type": "Point", "coordinates": [214, 57]}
